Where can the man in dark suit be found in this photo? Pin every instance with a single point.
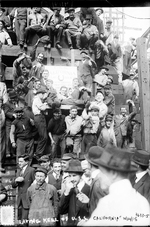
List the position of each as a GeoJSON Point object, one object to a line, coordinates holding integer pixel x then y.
{"type": "Point", "coordinates": [24, 178]}
{"type": "Point", "coordinates": [75, 191]}
{"type": "Point", "coordinates": [142, 179]}
{"type": "Point", "coordinates": [96, 193]}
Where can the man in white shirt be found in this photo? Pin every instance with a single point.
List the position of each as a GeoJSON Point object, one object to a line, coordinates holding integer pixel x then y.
{"type": "Point", "coordinates": [74, 123]}
{"type": "Point", "coordinates": [38, 107]}
{"type": "Point", "coordinates": [123, 205]}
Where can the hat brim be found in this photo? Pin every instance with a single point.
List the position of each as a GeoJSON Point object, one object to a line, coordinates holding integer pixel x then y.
{"type": "Point", "coordinates": [129, 170]}
{"type": "Point", "coordinates": [140, 163]}
{"type": "Point", "coordinates": [89, 160]}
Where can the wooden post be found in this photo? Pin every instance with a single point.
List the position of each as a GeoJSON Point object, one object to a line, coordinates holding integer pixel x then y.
{"type": "Point", "coordinates": [72, 57]}
{"type": "Point", "coordinates": [144, 85]}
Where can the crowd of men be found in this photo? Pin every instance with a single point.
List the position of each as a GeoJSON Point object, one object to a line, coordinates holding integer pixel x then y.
{"type": "Point", "coordinates": [78, 168]}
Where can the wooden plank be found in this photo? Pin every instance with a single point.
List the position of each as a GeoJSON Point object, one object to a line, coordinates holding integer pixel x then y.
{"type": "Point", "coordinates": [14, 51]}
{"type": "Point", "coordinates": [144, 85]}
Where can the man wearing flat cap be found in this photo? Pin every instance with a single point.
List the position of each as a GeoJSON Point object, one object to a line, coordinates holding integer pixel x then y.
{"type": "Point", "coordinates": [55, 25]}
{"type": "Point", "coordinates": [73, 29]}
{"type": "Point", "coordinates": [90, 127]}
{"type": "Point", "coordinates": [89, 34]}
{"type": "Point", "coordinates": [71, 200]}
{"type": "Point", "coordinates": [99, 22]}
{"type": "Point", "coordinates": [38, 108]}
{"type": "Point", "coordinates": [123, 205]}
{"type": "Point", "coordinates": [142, 178]}
{"type": "Point", "coordinates": [107, 134]}
{"type": "Point", "coordinates": [109, 99]}
{"type": "Point", "coordinates": [21, 133]}
{"type": "Point", "coordinates": [108, 32]}
{"type": "Point", "coordinates": [24, 178]}
{"type": "Point", "coordinates": [43, 201]}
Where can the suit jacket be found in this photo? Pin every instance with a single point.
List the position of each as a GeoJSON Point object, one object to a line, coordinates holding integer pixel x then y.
{"type": "Point", "coordinates": [71, 205]}
{"type": "Point", "coordinates": [54, 182]}
{"type": "Point", "coordinates": [96, 193]}
{"type": "Point", "coordinates": [23, 186]}
{"type": "Point", "coordinates": [143, 186]}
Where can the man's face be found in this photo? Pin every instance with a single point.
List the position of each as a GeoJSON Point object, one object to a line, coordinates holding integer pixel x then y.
{"type": "Point", "coordinates": [64, 164]}
{"type": "Point", "coordinates": [88, 21]}
{"type": "Point", "coordinates": [73, 113]}
{"type": "Point", "coordinates": [107, 91]}
{"type": "Point", "coordinates": [37, 85]}
{"type": "Point", "coordinates": [40, 57]}
{"type": "Point", "coordinates": [57, 167]}
{"type": "Point", "coordinates": [19, 114]}
{"type": "Point", "coordinates": [57, 115]}
{"type": "Point", "coordinates": [1, 12]}
{"type": "Point", "coordinates": [74, 178]}
{"type": "Point", "coordinates": [71, 14]}
{"type": "Point", "coordinates": [94, 112]}
{"type": "Point", "coordinates": [45, 75]}
{"type": "Point", "coordinates": [46, 165]}
{"type": "Point", "coordinates": [40, 177]}
{"type": "Point", "coordinates": [75, 83]}
{"type": "Point", "coordinates": [108, 25]}
{"type": "Point", "coordinates": [98, 12]}
{"type": "Point", "coordinates": [99, 97]}
{"type": "Point", "coordinates": [108, 124]}
{"type": "Point", "coordinates": [123, 111]}
{"type": "Point", "coordinates": [22, 162]}
{"type": "Point", "coordinates": [63, 91]}
{"type": "Point", "coordinates": [25, 71]}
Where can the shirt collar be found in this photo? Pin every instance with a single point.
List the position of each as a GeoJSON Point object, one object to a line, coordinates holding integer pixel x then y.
{"type": "Point", "coordinates": [41, 187]}
{"type": "Point", "coordinates": [95, 173]}
{"type": "Point", "coordinates": [140, 175]}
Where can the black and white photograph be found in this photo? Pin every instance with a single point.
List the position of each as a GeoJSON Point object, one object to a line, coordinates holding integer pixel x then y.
{"type": "Point", "coordinates": [74, 113]}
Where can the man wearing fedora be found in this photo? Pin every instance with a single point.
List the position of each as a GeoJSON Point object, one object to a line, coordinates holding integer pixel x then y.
{"type": "Point", "coordinates": [96, 193]}
{"type": "Point", "coordinates": [38, 108]}
{"type": "Point", "coordinates": [43, 201]}
{"type": "Point", "coordinates": [107, 134]}
{"type": "Point", "coordinates": [21, 135]}
{"type": "Point", "coordinates": [123, 205]}
{"type": "Point", "coordinates": [24, 178]}
{"type": "Point", "coordinates": [73, 29]}
{"type": "Point", "coordinates": [71, 200]}
{"type": "Point", "coordinates": [142, 178]}
{"type": "Point", "coordinates": [89, 34]}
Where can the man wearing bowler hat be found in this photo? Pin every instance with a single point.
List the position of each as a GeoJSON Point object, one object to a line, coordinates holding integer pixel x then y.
{"type": "Point", "coordinates": [96, 193]}
{"type": "Point", "coordinates": [142, 180]}
{"type": "Point", "coordinates": [123, 205]}
{"type": "Point", "coordinates": [21, 135]}
{"type": "Point", "coordinates": [73, 29]}
{"type": "Point", "coordinates": [43, 201]}
{"type": "Point", "coordinates": [89, 34]}
{"type": "Point", "coordinates": [71, 200]}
